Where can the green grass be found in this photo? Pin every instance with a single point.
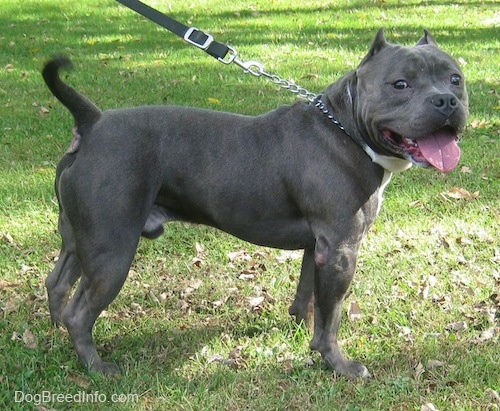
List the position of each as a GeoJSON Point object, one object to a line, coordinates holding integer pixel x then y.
{"type": "Point", "coordinates": [186, 334]}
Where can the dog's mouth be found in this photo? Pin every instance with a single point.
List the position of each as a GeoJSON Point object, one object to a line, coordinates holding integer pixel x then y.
{"type": "Point", "coordinates": [439, 149]}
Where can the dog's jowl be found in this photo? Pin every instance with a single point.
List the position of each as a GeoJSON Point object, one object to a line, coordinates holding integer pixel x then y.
{"type": "Point", "coordinates": [291, 178]}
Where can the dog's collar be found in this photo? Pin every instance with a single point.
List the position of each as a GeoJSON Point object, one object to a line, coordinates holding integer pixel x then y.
{"type": "Point", "coordinates": [324, 109]}
{"type": "Point", "coordinates": [391, 164]}
{"type": "Point", "coordinates": [319, 104]}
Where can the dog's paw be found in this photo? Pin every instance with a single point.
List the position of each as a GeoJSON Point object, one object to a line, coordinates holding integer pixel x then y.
{"type": "Point", "coordinates": [105, 368]}
{"type": "Point", "coordinates": [349, 369]}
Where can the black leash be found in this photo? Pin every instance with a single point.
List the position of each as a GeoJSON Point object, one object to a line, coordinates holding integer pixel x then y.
{"type": "Point", "coordinates": [191, 34]}
{"type": "Point", "coordinates": [222, 52]}
{"type": "Point", "coordinates": [226, 54]}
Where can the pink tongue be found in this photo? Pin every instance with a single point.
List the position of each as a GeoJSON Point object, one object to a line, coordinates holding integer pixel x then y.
{"type": "Point", "coordinates": [440, 150]}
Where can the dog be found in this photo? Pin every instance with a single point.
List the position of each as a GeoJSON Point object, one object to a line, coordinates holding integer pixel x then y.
{"type": "Point", "coordinates": [305, 176]}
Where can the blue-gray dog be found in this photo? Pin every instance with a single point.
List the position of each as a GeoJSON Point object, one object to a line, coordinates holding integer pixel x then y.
{"type": "Point", "coordinates": [307, 176]}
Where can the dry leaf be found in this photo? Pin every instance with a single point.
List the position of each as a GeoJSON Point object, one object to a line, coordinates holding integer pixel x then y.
{"type": "Point", "coordinates": [354, 312]}
{"type": "Point", "coordinates": [197, 262]}
{"type": "Point", "coordinates": [428, 407]}
{"type": "Point", "coordinates": [7, 284]}
{"type": "Point", "coordinates": [485, 335]}
{"type": "Point", "coordinates": [199, 249]}
{"type": "Point", "coordinates": [493, 395]}
{"type": "Point", "coordinates": [11, 306]}
{"type": "Point", "coordinates": [10, 240]}
{"type": "Point", "coordinates": [79, 380]}
{"type": "Point", "coordinates": [192, 287]}
{"type": "Point", "coordinates": [30, 340]}
{"type": "Point", "coordinates": [433, 364]}
{"type": "Point", "coordinates": [289, 255]}
{"type": "Point", "coordinates": [215, 358]}
{"type": "Point", "coordinates": [460, 193]}
{"type": "Point", "coordinates": [418, 370]}
{"type": "Point", "coordinates": [255, 301]}
{"type": "Point", "coordinates": [456, 326]}
{"type": "Point", "coordinates": [241, 255]}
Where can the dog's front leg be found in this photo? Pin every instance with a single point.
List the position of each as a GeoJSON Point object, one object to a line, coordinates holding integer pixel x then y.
{"type": "Point", "coordinates": [302, 305]}
{"type": "Point", "coordinates": [335, 266]}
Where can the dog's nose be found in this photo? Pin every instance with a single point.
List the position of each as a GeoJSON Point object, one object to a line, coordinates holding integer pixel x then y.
{"type": "Point", "coordinates": [444, 103]}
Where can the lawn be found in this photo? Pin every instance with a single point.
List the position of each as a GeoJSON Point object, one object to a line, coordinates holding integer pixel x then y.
{"type": "Point", "coordinates": [202, 322]}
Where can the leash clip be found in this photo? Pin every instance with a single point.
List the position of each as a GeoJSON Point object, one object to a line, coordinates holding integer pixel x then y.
{"type": "Point", "coordinates": [253, 67]}
{"type": "Point", "coordinates": [206, 39]}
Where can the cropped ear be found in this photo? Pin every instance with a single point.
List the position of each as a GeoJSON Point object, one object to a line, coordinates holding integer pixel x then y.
{"type": "Point", "coordinates": [427, 39]}
{"type": "Point", "coordinates": [378, 44]}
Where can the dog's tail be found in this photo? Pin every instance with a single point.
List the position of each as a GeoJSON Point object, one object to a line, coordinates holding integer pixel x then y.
{"type": "Point", "coordinates": [83, 110]}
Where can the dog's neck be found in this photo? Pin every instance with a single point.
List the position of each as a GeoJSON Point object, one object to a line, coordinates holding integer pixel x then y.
{"type": "Point", "coordinates": [391, 164]}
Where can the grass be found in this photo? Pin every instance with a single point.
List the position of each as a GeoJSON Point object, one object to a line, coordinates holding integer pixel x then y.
{"type": "Point", "coordinates": [194, 329]}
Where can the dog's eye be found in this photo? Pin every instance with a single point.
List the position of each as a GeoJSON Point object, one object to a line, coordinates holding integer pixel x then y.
{"type": "Point", "coordinates": [400, 85]}
{"type": "Point", "coordinates": [455, 79]}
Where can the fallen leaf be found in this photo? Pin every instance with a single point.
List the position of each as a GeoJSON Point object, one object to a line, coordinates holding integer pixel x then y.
{"type": "Point", "coordinates": [79, 380]}
{"type": "Point", "coordinates": [7, 284]}
{"type": "Point", "coordinates": [10, 240]}
{"type": "Point", "coordinates": [11, 306]}
{"type": "Point", "coordinates": [458, 193]}
{"type": "Point", "coordinates": [405, 331]}
{"type": "Point", "coordinates": [199, 249]}
{"type": "Point", "coordinates": [493, 395]}
{"type": "Point", "coordinates": [457, 326]}
{"type": "Point", "coordinates": [30, 340]}
{"type": "Point", "coordinates": [289, 255]}
{"type": "Point", "coordinates": [354, 312]}
{"type": "Point", "coordinates": [433, 364]}
{"type": "Point", "coordinates": [212, 100]}
{"type": "Point", "coordinates": [191, 288]}
{"type": "Point", "coordinates": [241, 255]}
{"type": "Point", "coordinates": [428, 407]}
{"type": "Point", "coordinates": [256, 301]}
{"type": "Point", "coordinates": [215, 358]}
{"type": "Point", "coordinates": [418, 371]}
{"type": "Point", "coordinates": [485, 335]}
{"type": "Point", "coordinates": [479, 124]}
{"type": "Point", "coordinates": [288, 365]}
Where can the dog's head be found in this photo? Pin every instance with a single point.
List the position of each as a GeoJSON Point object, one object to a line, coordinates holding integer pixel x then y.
{"type": "Point", "coordinates": [410, 103]}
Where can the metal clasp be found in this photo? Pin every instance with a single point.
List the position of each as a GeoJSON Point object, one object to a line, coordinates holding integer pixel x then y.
{"type": "Point", "coordinates": [253, 67]}
{"type": "Point", "coordinates": [205, 45]}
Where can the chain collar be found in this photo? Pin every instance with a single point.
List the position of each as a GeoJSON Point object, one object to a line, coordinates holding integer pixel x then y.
{"type": "Point", "coordinates": [319, 104]}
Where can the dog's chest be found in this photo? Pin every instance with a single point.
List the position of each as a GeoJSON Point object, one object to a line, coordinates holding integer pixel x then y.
{"type": "Point", "coordinates": [380, 194]}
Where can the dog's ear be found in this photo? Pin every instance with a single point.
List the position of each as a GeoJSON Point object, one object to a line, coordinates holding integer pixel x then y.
{"type": "Point", "coordinates": [378, 44]}
{"type": "Point", "coordinates": [427, 39]}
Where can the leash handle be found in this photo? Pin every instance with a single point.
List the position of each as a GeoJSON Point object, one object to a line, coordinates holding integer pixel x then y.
{"type": "Point", "coordinates": [222, 52]}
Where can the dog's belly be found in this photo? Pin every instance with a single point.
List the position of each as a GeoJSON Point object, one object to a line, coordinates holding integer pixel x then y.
{"type": "Point", "coordinates": [289, 234]}
{"type": "Point", "coordinates": [271, 230]}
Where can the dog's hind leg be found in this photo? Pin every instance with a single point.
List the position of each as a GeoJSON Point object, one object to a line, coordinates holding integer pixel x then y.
{"type": "Point", "coordinates": [65, 274]}
{"type": "Point", "coordinates": [104, 271]}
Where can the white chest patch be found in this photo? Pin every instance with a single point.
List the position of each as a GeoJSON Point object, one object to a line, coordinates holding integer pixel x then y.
{"type": "Point", "coordinates": [385, 181]}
